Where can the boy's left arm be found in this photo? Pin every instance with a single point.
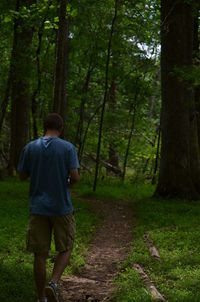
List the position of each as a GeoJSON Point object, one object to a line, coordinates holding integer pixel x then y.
{"type": "Point", "coordinates": [23, 165]}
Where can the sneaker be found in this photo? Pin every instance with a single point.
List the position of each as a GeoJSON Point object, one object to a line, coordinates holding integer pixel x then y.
{"type": "Point", "coordinates": [51, 292]}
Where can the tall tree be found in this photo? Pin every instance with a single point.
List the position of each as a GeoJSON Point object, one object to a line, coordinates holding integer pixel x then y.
{"type": "Point", "coordinates": [36, 91]}
{"type": "Point", "coordinates": [20, 73]}
{"type": "Point", "coordinates": [113, 156]}
{"type": "Point", "coordinates": [105, 95]}
{"type": "Point", "coordinates": [196, 62]}
{"type": "Point", "coordinates": [59, 105]}
{"type": "Point", "coordinates": [180, 166]}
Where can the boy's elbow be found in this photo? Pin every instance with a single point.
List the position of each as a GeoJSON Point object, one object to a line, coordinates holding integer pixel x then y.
{"type": "Point", "coordinates": [74, 176]}
{"type": "Point", "coordinates": [75, 179]}
{"type": "Point", "coordinates": [23, 176]}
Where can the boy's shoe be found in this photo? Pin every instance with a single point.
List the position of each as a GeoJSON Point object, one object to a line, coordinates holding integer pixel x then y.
{"type": "Point", "coordinates": [45, 300]}
{"type": "Point", "coordinates": [51, 292]}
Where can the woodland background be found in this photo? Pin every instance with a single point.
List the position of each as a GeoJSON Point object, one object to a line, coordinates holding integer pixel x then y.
{"type": "Point", "coordinates": [107, 52]}
{"type": "Point", "coordinates": [125, 76]}
{"type": "Point", "coordinates": [104, 66]}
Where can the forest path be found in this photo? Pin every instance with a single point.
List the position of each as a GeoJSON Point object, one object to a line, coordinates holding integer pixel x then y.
{"type": "Point", "coordinates": [108, 249]}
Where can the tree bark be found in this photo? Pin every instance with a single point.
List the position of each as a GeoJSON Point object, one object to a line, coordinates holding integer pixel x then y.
{"type": "Point", "coordinates": [60, 81]}
{"type": "Point", "coordinates": [105, 96]}
{"type": "Point", "coordinates": [36, 92]}
{"type": "Point", "coordinates": [5, 101]}
{"type": "Point", "coordinates": [196, 54]}
{"type": "Point", "coordinates": [86, 132]}
{"type": "Point", "coordinates": [153, 97]}
{"type": "Point", "coordinates": [129, 140]}
{"type": "Point", "coordinates": [79, 131]}
{"type": "Point", "coordinates": [180, 166]}
{"type": "Point", "coordinates": [113, 156]}
{"type": "Point", "coordinates": [157, 158]}
{"type": "Point", "coordinates": [20, 92]}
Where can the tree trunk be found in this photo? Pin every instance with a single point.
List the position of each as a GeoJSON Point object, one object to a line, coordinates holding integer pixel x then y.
{"type": "Point", "coordinates": [113, 156]}
{"type": "Point", "coordinates": [196, 62]}
{"type": "Point", "coordinates": [129, 140]}
{"type": "Point", "coordinates": [153, 97]}
{"type": "Point", "coordinates": [79, 131]}
{"type": "Point", "coordinates": [180, 166]}
{"type": "Point", "coordinates": [34, 103]}
{"type": "Point", "coordinates": [5, 101]}
{"type": "Point", "coordinates": [86, 132]}
{"type": "Point", "coordinates": [60, 82]}
{"type": "Point", "coordinates": [20, 92]}
{"type": "Point", "coordinates": [157, 158]}
{"type": "Point", "coordinates": [105, 96]}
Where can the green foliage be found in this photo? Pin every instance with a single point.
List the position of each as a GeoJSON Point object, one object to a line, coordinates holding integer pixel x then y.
{"type": "Point", "coordinates": [134, 64]}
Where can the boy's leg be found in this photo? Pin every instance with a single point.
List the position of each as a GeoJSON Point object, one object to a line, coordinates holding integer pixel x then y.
{"type": "Point", "coordinates": [62, 260]}
{"type": "Point", "coordinates": [38, 242]}
{"type": "Point", "coordinates": [64, 231]}
{"type": "Point", "coordinates": [40, 273]}
{"type": "Point", "coordinates": [51, 290]}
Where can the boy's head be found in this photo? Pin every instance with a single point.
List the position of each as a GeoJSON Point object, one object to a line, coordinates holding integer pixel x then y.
{"type": "Point", "coordinates": [53, 122]}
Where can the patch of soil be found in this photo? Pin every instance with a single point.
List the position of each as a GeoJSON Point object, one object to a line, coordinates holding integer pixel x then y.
{"type": "Point", "coordinates": [109, 248]}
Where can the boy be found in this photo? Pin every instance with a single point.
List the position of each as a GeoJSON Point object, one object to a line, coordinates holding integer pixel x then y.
{"type": "Point", "coordinates": [52, 165]}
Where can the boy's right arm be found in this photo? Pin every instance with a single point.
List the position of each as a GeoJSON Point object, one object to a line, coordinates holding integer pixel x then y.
{"type": "Point", "coordinates": [74, 176]}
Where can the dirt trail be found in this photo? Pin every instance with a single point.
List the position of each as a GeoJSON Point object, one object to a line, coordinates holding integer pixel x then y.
{"type": "Point", "coordinates": [109, 248]}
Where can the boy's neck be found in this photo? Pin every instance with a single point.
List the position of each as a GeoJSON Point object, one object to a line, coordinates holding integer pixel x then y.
{"type": "Point", "coordinates": [52, 133]}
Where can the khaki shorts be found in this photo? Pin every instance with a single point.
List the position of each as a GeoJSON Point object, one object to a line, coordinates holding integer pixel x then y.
{"type": "Point", "coordinates": [40, 232]}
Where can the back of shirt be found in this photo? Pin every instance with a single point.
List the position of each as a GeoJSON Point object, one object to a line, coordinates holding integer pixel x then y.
{"type": "Point", "coordinates": [48, 161]}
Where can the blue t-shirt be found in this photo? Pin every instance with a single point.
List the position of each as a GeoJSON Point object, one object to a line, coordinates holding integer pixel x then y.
{"type": "Point", "coordinates": [48, 162]}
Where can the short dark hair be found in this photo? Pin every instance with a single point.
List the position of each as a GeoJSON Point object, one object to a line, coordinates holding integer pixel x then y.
{"type": "Point", "coordinates": [53, 121]}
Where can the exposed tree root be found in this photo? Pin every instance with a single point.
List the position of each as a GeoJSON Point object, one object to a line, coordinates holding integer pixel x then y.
{"type": "Point", "coordinates": [156, 295]}
{"type": "Point", "coordinates": [152, 249]}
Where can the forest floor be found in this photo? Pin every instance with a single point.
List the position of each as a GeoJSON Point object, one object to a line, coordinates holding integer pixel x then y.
{"type": "Point", "coordinates": [108, 249]}
{"type": "Point", "coordinates": [113, 225]}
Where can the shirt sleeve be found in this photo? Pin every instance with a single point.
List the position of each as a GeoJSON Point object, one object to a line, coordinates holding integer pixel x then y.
{"type": "Point", "coordinates": [73, 159]}
{"type": "Point", "coordinates": [23, 164]}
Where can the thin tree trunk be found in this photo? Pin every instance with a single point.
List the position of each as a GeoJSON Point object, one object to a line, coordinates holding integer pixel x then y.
{"type": "Point", "coordinates": [153, 97]}
{"type": "Point", "coordinates": [196, 48]}
{"type": "Point", "coordinates": [5, 101]}
{"type": "Point", "coordinates": [105, 96]}
{"type": "Point", "coordinates": [86, 132]}
{"type": "Point", "coordinates": [129, 141]}
{"type": "Point", "coordinates": [157, 157]}
{"type": "Point", "coordinates": [20, 90]}
{"type": "Point", "coordinates": [146, 165]}
{"type": "Point", "coordinates": [79, 131]}
{"type": "Point", "coordinates": [113, 156]}
{"type": "Point", "coordinates": [36, 92]}
{"type": "Point", "coordinates": [180, 165]}
{"type": "Point", "coordinates": [133, 112]}
{"type": "Point", "coordinates": [60, 83]}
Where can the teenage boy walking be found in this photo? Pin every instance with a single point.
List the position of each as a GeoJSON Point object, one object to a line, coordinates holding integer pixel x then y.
{"type": "Point", "coordinates": [52, 165]}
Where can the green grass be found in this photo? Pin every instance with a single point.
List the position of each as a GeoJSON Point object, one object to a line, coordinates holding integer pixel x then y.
{"type": "Point", "coordinates": [114, 190]}
{"type": "Point", "coordinates": [174, 226]}
{"type": "Point", "coordinates": [15, 263]}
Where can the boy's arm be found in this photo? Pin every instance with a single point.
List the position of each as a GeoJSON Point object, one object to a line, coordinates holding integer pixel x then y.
{"type": "Point", "coordinates": [23, 175]}
{"type": "Point", "coordinates": [74, 176]}
{"type": "Point", "coordinates": [23, 165]}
